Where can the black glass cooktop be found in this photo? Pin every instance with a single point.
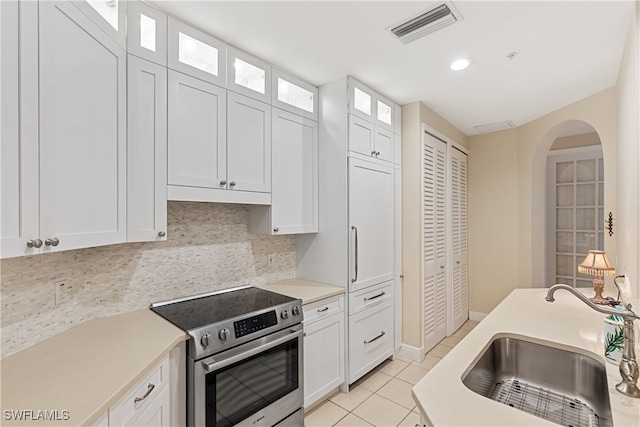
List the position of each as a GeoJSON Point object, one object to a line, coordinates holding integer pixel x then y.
{"type": "Point", "coordinates": [207, 310]}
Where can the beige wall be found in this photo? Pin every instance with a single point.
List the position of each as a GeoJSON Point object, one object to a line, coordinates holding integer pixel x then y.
{"type": "Point", "coordinates": [575, 141]}
{"type": "Point", "coordinates": [493, 218]}
{"type": "Point", "coordinates": [628, 217]}
{"type": "Point", "coordinates": [531, 143]}
{"type": "Point", "coordinates": [413, 116]}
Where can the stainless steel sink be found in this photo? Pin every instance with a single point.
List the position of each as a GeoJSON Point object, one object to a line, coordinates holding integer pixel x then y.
{"type": "Point", "coordinates": [560, 386]}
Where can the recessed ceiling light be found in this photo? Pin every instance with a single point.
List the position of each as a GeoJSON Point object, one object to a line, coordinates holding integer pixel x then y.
{"type": "Point", "coordinates": [460, 64]}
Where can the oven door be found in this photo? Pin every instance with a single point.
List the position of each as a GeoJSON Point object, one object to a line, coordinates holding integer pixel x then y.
{"type": "Point", "coordinates": [256, 384]}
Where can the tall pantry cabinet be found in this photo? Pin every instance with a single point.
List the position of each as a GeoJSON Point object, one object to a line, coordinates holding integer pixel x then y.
{"type": "Point", "coordinates": [355, 247]}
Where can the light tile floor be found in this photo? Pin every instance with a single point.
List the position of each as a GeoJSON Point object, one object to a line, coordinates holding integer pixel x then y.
{"type": "Point", "coordinates": [382, 398]}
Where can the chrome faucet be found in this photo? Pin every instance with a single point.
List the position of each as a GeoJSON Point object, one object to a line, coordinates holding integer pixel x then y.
{"type": "Point", "coordinates": [628, 365]}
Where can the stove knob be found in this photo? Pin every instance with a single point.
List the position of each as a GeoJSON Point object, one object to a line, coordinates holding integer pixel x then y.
{"type": "Point", "coordinates": [224, 334]}
{"type": "Point", "coordinates": [295, 310]}
{"type": "Point", "coordinates": [284, 314]}
{"type": "Point", "coordinates": [205, 340]}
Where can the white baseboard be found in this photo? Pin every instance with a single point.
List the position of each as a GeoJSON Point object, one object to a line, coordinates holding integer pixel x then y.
{"type": "Point", "coordinates": [411, 353]}
{"type": "Point", "coordinates": [476, 316]}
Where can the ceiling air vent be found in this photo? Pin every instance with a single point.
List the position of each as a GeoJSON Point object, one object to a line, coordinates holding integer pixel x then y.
{"type": "Point", "coordinates": [425, 22]}
{"type": "Point", "coordinates": [494, 127]}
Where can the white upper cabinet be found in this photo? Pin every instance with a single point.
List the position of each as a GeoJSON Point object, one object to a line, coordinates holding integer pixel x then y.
{"type": "Point", "coordinates": [146, 32]}
{"type": "Point", "coordinates": [248, 75]}
{"type": "Point", "coordinates": [195, 53]}
{"type": "Point", "coordinates": [197, 133]}
{"type": "Point", "coordinates": [294, 178]}
{"type": "Point", "coordinates": [248, 144]}
{"type": "Point", "coordinates": [294, 95]}
{"type": "Point", "coordinates": [397, 130]}
{"type": "Point", "coordinates": [370, 105]}
{"type": "Point", "coordinates": [19, 149]}
{"type": "Point", "coordinates": [146, 151]}
{"type": "Point", "coordinates": [369, 139]}
{"type": "Point", "coordinates": [108, 15]}
{"type": "Point", "coordinates": [82, 141]}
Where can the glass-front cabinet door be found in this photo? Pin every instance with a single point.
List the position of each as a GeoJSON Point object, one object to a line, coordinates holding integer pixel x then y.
{"type": "Point", "coordinates": [147, 32]}
{"type": "Point", "coordinates": [109, 15]}
{"type": "Point", "coordinates": [294, 95]}
{"type": "Point", "coordinates": [369, 105]}
{"type": "Point", "coordinates": [248, 75]}
{"type": "Point", "coordinates": [195, 53]}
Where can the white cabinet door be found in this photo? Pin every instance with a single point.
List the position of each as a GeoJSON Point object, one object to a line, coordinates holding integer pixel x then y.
{"type": "Point", "coordinates": [248, 144]}
{"type": "Point", "coordinates": [294, 193]}
{"type": "Point", "coordinates": [371, 223]}
{"type": "Point", "coordinates": [434, 240]}
{"type": "Point", "coordinates": [385, 112]}
{"type": "Point", "coordinates": [82, 117]}
{"type": "Point", "coordinates": [19, 150]}
{"type": "Point", "coordinates": [196, 53]}
{"type": "Point", "coordinates": [383, 144]}
{"type": "Point", "coordinates": [370, 339]}
{"type": "Point", "coordinates": [323, 357]}
{"type": "Point", "coordinates": [146, 32]}
{"type": "Point", "coordinates": [146, 151]}
{"type": "Point", "coordinates": [361, 136]}
{"type": "Point", "coordinates": [248, 75]}
{"type": "Point", "coordinates": [109, 16]}
{"type": "Point", "coordinates": [361, 100]}
{"type": "Point", "coordinates": [294, 95]}
{"type": "Point", "coordinates": [460, 304]}
{"type": "Point", "coordinates": [197, 133]}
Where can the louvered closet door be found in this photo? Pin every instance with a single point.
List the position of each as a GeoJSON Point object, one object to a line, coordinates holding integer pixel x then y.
{"type": "Point", "coordinates": [460, 298]}
{"type": "Point", "coordinates": [434, 238]}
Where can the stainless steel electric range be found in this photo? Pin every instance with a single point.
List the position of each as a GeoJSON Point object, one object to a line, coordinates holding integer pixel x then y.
{"type": "Point", "coordinates": [244, 358]}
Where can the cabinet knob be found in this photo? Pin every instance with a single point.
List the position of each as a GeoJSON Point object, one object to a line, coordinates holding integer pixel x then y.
{"type": "Point", "coordinates": [52, 242]}
{"type": "Point", "coordinates": [275, 230]}
{"type": "Point", "coordinates": [373, 153]}
{"type": "Point", "coordinates": [223, 182]}
{"type": "Point", "coordinates": [161, 234]}
{"type": "Point", "coordinates": [377, 153]}
{"type": "Point", "coordinates": [34, 243]}
{"type": "Point", "coordinates": [232, 184]}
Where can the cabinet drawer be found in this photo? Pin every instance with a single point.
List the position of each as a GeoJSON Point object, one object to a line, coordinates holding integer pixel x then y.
{"type": "Point", "coordinates": [129, 408]}
{"type": "Point", "coordinates": [370, 297]}
{"type": "Point", "coordinates": [322, 309]}
{"type": "Point", "coordinates": [370, 339]}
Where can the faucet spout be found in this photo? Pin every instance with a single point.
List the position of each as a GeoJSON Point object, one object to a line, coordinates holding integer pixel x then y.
{"type": "Point", "coordinates": [628, 365]}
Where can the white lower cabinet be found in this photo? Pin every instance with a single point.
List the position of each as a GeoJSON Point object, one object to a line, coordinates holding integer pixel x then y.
{"type": "Point", "coordinates": [371, 329]}
{"type": "Point", "coordinates": [148, 403]}
{"type": "Point", "coordinates": [324, 347]}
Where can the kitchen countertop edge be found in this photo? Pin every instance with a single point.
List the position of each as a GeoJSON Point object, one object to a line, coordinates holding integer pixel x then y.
{"type": "Point", "coordinates": [567, 323]}
{"type": "Point", "coordinates": [307, 290]}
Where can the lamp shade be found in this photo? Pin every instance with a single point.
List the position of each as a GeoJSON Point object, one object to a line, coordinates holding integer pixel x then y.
{"type": "Point", "coordinates": [596, 264]}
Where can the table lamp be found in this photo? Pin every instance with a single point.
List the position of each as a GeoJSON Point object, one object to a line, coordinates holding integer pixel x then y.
{"type": "Point", "coordinates": [596, 264]}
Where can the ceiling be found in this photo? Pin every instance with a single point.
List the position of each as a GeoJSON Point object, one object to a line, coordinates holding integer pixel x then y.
{"type": "Point", "coordinates": [567, 50]}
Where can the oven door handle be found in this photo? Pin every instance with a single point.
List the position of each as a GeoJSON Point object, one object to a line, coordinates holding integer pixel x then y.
{"type": "Point", "coordinates": [237, 354]}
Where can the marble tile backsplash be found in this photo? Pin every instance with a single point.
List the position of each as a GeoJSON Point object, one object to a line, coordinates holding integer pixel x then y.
{"type": "Point", "coordinates": [209, 247]}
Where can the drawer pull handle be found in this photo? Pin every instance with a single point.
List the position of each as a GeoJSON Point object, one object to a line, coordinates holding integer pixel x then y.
{"type": "Point", "coordinates": [150, 388]}
{"type": "Point", "coordinates": [381, 294]}
{"type": "Point", "coordinates": [376, 338]}
{"type": "Point", "coordinates": [322, 310]}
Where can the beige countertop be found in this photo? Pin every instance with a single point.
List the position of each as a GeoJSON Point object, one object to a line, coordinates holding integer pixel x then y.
{"type": "Point", "coordinates": [445, 401]}
{"type": "Point", "coordinates": [85, 369]}
{"type": "Point", "coordinates": [306, 290]}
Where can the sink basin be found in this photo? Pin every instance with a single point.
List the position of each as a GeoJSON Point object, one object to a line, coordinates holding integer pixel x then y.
{"type": "Point", "coordinates": [561, 386]}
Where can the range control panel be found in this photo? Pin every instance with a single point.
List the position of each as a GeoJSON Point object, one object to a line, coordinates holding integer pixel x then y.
{"type": "Point", "coordinates": [255, 323]}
